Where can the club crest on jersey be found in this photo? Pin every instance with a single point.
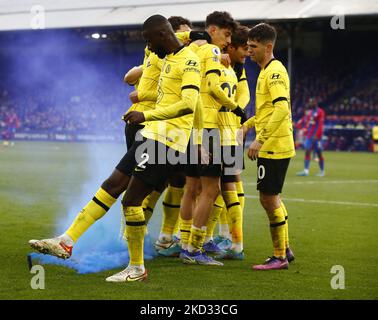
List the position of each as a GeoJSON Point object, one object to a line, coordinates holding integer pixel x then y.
{"type": "Point", "coordinates": [168, 68]}
{"type": "Point", "coordinates": [275, 76]}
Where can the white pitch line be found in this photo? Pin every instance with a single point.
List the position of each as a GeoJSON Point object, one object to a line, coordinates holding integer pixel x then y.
{"type": "Point", "coordinates": [344, 203]}
{"type": "Point", "coordinates": [324, 181]}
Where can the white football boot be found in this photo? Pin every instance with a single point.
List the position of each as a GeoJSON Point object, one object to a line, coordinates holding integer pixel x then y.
{"type": "Point", "coordinates": [131, 273]}
{"type": "Point", "coordinates": [54, 246]}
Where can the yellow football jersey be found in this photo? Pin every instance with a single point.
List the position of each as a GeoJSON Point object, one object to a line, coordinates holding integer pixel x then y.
{"type": "Point", "coordinates": [183, 36]}
{"type": "Point", "coordinates": [210, 57]}
{"type": "Point", "coordinates": [148, 83]}
{"type": "Point", "coordinates": [228, 122]}
{"type": "Point", "coordinates": [242, 93]}
{"type": "Point", "coordinates": [180, 71]}
{"type": "Point", "coordinates": [273, 85]}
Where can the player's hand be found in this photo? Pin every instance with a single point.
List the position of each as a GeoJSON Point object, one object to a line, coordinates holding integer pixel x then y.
{"type": "Point", "coordinates": [134, 117]}
{"type": "Point", "coordinates": [253, 150]}
{"type": "Point", "coordinates": [225, 59]}
{"type": "Point", "coordinates": [133, 96]}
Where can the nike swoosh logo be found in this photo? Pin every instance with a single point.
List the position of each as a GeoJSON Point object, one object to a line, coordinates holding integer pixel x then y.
{"type": "Point", "coordinates": [129, 278]}
{"type": "Point", "coordinates": [66, 248]}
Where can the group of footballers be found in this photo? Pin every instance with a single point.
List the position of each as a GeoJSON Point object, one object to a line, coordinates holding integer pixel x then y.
{"type": "Point", "coordinates": [185, 133]}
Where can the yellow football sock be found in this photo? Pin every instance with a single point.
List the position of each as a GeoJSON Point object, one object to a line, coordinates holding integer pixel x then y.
{"type": "Point", "coordinates": [176, 229]}
{"type": "Point", "coordinates": [214, 216]}
{"type": "Point", "coordinates": [236, 215]}
{"type": "Point", "coordinates": [224, 229]}
{"type": "Point", "coordinates": [135, 230]}
{"type": "Point", "coordinates": [240, 191]}
{"type": "Point", "coordinates": [171, 209]}
{"type": "Point", "coordinates": [286, 225]}
{"type": "Point", "coordinates": [185, 226]}
{"type": "Point", "coordinates": [197, 237]}
{"type": "Point", "coordinates": [94, 210]}
{"type": "Point", "coordinates": [277, 231]}
{"type": "Point", "coordinates": [223, 216]}
{"type": "Point", "coordinates": [149, 204]}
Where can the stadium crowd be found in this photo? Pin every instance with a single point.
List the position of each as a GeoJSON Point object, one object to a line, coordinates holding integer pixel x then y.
{"type": "Point", "coordinates": [348, 98]}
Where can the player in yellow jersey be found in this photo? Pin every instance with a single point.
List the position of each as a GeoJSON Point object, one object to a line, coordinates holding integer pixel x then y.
{"type": "Point", "coordinates": [145, 94]}
{"type": "Point", "coordinates": [174, 190]}
{"type": "Point", "coordinates": [219, 25]}
{"type": "Point", "coordinates": [274, 143]}
{"type": "Point", "coordinates": [173, 194]}
{"type": "Point", "coordinates": [236, 51]}
{"type": "Point", "coordinates": [116, 183]}
{"type": "Point", "coordinates": [165, 136]}
{"type": "Point", "coordinates": [233, 81]}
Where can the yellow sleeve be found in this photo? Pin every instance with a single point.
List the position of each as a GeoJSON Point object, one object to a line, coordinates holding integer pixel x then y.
{"type": "Point", "coordinates": [144, 92]}
{"type": "Point", "coordinates": [190, 86]}
{"type": "Point", "coordinates": [277, 86]}
{"type": "Point", "coordinates": [213, 69]}
{"type": "Point", "coordinates": [281, 111]}
{"type": "Point", "coordinates": [183, 36]}
{"type": "Point", "coordinates": [146, 95]}
{"type": "Point", "coordinates": [278, 90]}
{"type": "Point", "coordinates": [198, 122]}
{"type": "Point", "coordinates": [198, 115]}
{"type": "Point", "coordinates": [242, 92]}
{"type": "Point", "coordinates": [147, 53]}
{"type": "Point", "coordinates": [250, 123]}
{"type": "Point", "coordinates": [216, 91]}
{"type": "Point", "coordinates": [185, 106]}
{"type": "Point", "coordinates": [212, 60]}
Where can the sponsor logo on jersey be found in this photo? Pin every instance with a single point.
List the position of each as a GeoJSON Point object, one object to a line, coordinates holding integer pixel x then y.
{"type": "Point", "coordinates": [275, 76]}
{"type": "Point", "coordinates": [192, 63]}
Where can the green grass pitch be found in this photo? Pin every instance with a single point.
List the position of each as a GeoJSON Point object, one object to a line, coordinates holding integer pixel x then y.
{"type": "Point", "coordinates": [333, 221]}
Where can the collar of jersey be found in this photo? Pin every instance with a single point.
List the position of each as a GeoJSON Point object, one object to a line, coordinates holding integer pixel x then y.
{"type": "Point", "coordinates": [269, 63]}
{"type": "Point", "coordinates": [177, 50]}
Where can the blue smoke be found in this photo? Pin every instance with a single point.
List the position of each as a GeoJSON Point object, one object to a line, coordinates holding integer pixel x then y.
{"type": "Point", "coordinates": [53, 66]}
{"type": "Point", "coordinates": [102, 246]}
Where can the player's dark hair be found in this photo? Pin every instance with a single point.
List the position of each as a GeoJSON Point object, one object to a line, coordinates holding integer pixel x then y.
{"type": "Point", "coordinates": [221, 19]}
{"type": "Point", "coordinates": [154, 21]}
{"type": "Point", "coordinates": [177, 21]}
{"type": "Point", "coordinates": [239, 36]}
{"type": "Point", "coordinates": [262, 32]}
